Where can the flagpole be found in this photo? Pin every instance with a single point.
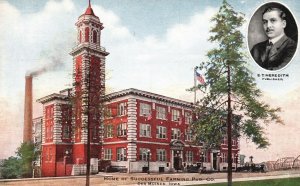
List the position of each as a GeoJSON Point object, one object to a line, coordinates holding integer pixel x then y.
{"type": "Point", "coordinates": [195, 83]}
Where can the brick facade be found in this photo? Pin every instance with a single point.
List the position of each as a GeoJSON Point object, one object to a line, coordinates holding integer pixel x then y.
{"type": "Point", "coordinates": [128, 127]}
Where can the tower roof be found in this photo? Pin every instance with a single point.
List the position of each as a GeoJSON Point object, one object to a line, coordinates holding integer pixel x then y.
{"type": "Point", "coordinates": [88, 14]}
{"type": "Point", "coordinates": [89, 10]}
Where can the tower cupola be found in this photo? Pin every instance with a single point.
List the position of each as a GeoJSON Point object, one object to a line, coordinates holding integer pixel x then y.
{"type": "Point", "coordinates": [89, 29]}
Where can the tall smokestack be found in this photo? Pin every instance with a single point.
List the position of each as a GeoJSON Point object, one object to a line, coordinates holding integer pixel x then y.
{"type": "Point", "coordinates": [27, 131]}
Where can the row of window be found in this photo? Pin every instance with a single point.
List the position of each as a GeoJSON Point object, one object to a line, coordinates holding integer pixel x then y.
{"type": "Point", "coordinates": [225, 141]}
{"type": "Point", "coordinates": [145, 110]}
{"type": "Point", "coordinates": [87, 34]}
{"type": "Point", "coordinates": [145, 131]}
{"type": "Point", "coordinates": [144, 154]}
{"type": "Point", "coordinates": [224, 158]}
{"type": "Point", "coordinates": [161, 155]}
{"type": "Point", "coordinates": [66, 132]}
{"type": "Point", "coordinates": [161, 113]}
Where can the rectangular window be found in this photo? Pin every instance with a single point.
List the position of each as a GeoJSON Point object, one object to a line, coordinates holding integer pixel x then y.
{"type": "Point", "coordinates": [51, 132]}
{"type": "Point", "coordinates": [189, 156]}
{"type": "Point", "coordinates": [188, 117]}
{"type": "Point", "coordinates": [161, 132]}
{"type": "Point", "coordinates": [122, 129]}
{"type": "Point", "coordinates": [95, 132]}
{"type": "Point", "coordinates": [205, 157]}
{"type": "Point", "coordinates": [144, 154]}
{"type": "Point", "coordinates": [161, 155]}
{"type": "Point", "coordinates": [160, 112]}
{"type": "Point", "coordinates": [188, 135]}
{"type": "Point", "coordinates": [175, 133]}
{"type": "Point", "coordinates": [121, 109]}
{"type": "Point", "coordinates": [108, 131]}
{"type": "Point", "coordinates": [49, 119]}
{"type": "Point", "coordinates": [47, 132]}
{"type": "Point", "coordinates": [145, 109]}
{"type": "Point", "coordinates": [107, 112]}
{"type": "Point", "coordinates": [223, 157]}
{"type": "Point", "coordinates": [234, 142]}
{"type": "Point", "coordinates": [121, 154]}
{"type": "Point", "coordinates": [66, 132]}
{"type": "Point", "coordinates": [107, 154]}
{"type": "Point", "coordinates": [145, 130]}
{"type": "Point", "coordinates": [175, 115]}
{"type": "Point", "coordinates": [224, 141]}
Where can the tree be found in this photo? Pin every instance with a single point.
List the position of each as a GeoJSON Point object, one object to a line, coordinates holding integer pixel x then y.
{"type": "Point", "coordinates": [26, 153]}
{"type": "Point", "coordinates": [20, 166]}
{"type": "Point", "coordinates": [231, 103]}
{"type": "Point", "coordinates": [11, 168]}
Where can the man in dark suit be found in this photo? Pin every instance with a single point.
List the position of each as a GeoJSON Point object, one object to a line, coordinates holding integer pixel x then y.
{"type": "Point", "coordinates": [278, 50]}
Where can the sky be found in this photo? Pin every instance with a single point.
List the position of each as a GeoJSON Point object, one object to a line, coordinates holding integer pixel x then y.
{"type": "Point", "coordinates": [154, 46]}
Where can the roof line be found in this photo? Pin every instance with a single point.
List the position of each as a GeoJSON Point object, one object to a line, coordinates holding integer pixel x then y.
{"type": "Point", "coordinates": [147, 94]}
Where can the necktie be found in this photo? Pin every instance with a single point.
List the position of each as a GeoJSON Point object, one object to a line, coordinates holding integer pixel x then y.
{"type": "Point", "coordinates": [267, 52]}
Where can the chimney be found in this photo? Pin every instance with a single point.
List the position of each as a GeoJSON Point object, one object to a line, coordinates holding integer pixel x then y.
{"type": "Point", "coordinates": [27, 131]}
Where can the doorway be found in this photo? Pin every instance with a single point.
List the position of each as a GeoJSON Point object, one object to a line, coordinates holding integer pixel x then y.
{"type": "Point", "coordinates": [215, 159]}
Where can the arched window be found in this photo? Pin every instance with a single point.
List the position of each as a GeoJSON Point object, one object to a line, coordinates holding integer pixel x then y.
{"type": "Point", "coordinates": [94, 36]}
{"type": "Point", "coordinates": [87, 34]}
{"type": "Point", "coordinates": [80, 36]}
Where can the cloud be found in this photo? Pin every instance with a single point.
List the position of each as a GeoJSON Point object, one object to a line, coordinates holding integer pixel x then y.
{"type": "Point", "coordinates": [28, 39]}
{"type": "Point", "coordinates": [28, 42]}
{"type": "Point", "coordinates": [154, 59]}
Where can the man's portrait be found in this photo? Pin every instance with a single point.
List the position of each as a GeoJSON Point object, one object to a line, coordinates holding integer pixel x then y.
{"type": "Point", "coordinates": [276, 45]}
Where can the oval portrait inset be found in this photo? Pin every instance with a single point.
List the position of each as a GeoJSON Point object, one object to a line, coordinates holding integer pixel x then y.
{"type": "Point", "coordinates": [272, 36]}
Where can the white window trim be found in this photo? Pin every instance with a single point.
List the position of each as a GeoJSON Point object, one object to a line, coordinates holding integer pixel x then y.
{"type": "Point", "coordinates": [161, 155]}
{"type": "Point", "coordinates": [145, 128]}
{"type": "Point", "coordinates": [122, 129]}
{"type": "Point", "coordinates": [188, 118]}
{"type": "Point", "coordinates": [145, 109]}
{"type": "Point", "coordinates": [175, 133]}
{"type": "Point", "coordinates": [107, 154]}
{"type": "Point", "coordinates": [143, 154]}
{"type": "Point", "coordinates": [121, 154]}
{"type": "Point", "coordinates": [175, 115]}
{"type": "Point", "coordinates": [161, 113]}
{"type": "Point", "coordinates": [162, 131]}
{"type": "Point", "coordinates": [121, 110]}
{"type": "Point", "coordinates": [189, 156]}
{"type": "Point", "coordinates": [109, 131]}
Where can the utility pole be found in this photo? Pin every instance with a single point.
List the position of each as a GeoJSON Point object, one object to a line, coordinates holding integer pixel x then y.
{"type": "Point", "coordinates": [229, 129]}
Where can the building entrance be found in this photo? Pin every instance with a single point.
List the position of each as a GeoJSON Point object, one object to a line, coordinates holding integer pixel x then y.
{"type": "Point", "coordinates": [177, 161]}
{"type": "Point", "coordinates": [176, 154]}
{"type": "Point", "coordinates": [215, 160]}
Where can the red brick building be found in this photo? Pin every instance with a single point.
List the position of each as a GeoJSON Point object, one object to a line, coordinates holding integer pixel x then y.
{"type": "Point", "coordinates": [135, 126]}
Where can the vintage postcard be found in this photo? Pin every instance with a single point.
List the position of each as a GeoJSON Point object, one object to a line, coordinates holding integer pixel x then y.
{"type": "Point", "coordinates": [149, 92]}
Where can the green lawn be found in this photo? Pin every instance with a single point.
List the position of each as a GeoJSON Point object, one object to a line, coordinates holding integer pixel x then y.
{"type": "Point", "coordinates": [275, 182]}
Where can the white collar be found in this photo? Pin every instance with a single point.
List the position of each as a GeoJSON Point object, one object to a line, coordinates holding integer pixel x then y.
{"type": "Point", "coordinates": [274, 40]}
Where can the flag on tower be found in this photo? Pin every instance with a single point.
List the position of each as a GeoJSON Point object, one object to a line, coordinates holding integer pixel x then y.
{"type": "Point", "coordinates": [199, 78]}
